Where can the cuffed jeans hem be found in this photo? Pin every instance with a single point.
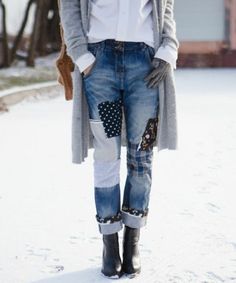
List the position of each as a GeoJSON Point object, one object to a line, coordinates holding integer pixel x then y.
{"type": "Point", "coordinates": [133, 221]}
{"type": "Point", "coordinates": [110, 228]}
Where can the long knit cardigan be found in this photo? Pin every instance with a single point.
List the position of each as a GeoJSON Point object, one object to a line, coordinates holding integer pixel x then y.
{"type": "Point", "coordinates": [75, 21]}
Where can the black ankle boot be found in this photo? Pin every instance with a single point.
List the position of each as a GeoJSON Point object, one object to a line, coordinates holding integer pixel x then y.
{"type": "Point", "coordinates": [111, 262]}
{"type": "Point", "coordinates": [131, 261]}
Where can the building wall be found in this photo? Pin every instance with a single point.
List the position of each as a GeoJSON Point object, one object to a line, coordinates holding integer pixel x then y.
{"type": "Point", "coordinates": [206, 30]}
{"type": "Point", "coordinates": [202, 27]}
{"type": "Point", "coordinates": [231, 22]}
{"type": "Point", "coordinates": [203, 20]}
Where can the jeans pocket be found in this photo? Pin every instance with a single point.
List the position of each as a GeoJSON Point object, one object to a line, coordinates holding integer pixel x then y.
{"type": "Point", "coordinates": [95, 49]}
{"type": "Point", "coordinates": [90, 71]}
{"type": "Point", "coordinates": [149, 52]}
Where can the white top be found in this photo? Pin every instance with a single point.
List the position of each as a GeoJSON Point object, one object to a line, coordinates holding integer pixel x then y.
{"type": "Point", "coordinates": [123, 20]}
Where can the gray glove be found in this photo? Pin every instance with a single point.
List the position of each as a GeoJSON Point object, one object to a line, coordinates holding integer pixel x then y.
{"type": "Point", "coordinates": [158, 73]}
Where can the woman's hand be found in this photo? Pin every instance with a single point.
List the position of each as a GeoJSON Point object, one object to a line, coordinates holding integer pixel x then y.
{"type": "Point", "coordinates": [158, 73]}
{"type": "Point", "coordinates": [87, 70]}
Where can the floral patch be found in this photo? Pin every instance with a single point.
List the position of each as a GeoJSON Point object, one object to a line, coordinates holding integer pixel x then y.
{"type": "Point", "coordinates": [109, 220]}
{"type": "Point", "coordinates": [136, 212]}
{"type": "Point", "coordinates": [149, 135]}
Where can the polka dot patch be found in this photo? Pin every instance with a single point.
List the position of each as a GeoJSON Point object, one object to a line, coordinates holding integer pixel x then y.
{"type": "Point", "coordinates": [110, 113]}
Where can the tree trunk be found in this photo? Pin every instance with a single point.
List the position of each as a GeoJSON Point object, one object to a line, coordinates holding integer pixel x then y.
{"type": "Point", "coordinates": [35, 33]}
{"type": "Point", "coordinates": [5, 50]}
{"type": "Point", "coordinates": [45, 36]}
{"type": "Point", "coordinates": [21, 31]}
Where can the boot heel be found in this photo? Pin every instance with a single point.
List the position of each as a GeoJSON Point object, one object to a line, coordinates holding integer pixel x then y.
{"type": "Point", "coordinates": [131, 259]}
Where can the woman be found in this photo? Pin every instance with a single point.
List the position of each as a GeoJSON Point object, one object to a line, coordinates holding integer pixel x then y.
{"type": "Point", "coordinates": [123, 94]}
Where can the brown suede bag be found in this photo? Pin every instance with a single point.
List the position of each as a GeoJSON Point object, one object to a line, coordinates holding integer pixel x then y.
{"type": "Point", "coordinates": [65, 66]}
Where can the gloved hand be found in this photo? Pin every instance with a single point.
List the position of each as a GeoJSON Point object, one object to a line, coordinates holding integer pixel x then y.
{"type": "Point", "coordinates": [158, 73]}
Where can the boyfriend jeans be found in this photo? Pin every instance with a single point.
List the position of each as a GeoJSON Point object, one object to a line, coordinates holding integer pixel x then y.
{"type": "Point", "coordinates": [115, 82]}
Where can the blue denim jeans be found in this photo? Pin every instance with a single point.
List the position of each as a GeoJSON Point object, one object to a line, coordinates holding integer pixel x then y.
{"type": "Point", "coordinates": [115, 83]}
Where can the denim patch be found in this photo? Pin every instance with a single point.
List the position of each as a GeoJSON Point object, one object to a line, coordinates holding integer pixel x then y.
{"type": "Point", "coordinates": [139, 162]}
{"type": "Point", "coordinates": [107, 229]}
{"type": "Point", "coordinates": [133, 221]}
{"type": "Point", "coordinates": [149, 135]}
{"type": "Point", "coordinates": [109, 220]}
{"type": "Point", "coordinates": [104, 149]}
{"type": "Point", "coordinates": [110, 113]}
{"type": "Point", "coordinates": [135, 212]}
{"type": "Point", "coordinates": [106, 173]}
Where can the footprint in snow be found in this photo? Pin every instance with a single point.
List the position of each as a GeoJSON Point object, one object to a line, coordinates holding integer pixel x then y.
{"type": "Point", "coordinates": [53, 269]}
{"type": "Point", "coordinates": [73, 240]}
{"type": "Point", "coordinates": [191, 275]}
{"type": "Point", "coordinates": [233, 244]}
{"type": "Point", "coordinates": [186, 213]}
{"type": "Point", "coordinates": [212, 207]}
{"type": "Point", "coordinates": [215, 276]}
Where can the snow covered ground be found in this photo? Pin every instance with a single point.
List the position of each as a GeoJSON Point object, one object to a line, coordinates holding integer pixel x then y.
{"type": "Point", "coordinates": [20, 75]}
{"type": "Point", "coordinates": [48, 232]}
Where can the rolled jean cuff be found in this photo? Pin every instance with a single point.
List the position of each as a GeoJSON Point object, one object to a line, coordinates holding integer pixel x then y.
{"type": "Point", "coordinates": [110, 228]}
{"type": "Point", "coordinates": [133, 221]}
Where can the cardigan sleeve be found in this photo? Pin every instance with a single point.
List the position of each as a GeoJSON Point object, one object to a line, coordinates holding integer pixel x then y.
{"type": "Point", "coordinates": [168, 50]}
{"type": "Point", "coordinates": [75, 39]}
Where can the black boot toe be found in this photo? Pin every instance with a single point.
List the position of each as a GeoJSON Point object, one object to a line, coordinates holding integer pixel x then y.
{"type": "Point", "coordinates": [111, 263]}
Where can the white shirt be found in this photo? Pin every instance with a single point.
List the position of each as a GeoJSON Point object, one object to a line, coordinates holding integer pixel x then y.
{"type": "Point", "coordinates": [123, 20]}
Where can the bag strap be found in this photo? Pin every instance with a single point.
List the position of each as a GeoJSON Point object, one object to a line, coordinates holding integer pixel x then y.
{"type": "Point", "coordinates": [65, 65]}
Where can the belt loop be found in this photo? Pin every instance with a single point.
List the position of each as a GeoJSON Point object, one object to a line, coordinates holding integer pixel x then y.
{"type": "Point", "coordinates": [103, 44]}
{"type": "Point", "coordinates": [144, 46]}
{"type": "Point", "coordinates": [119, 45]}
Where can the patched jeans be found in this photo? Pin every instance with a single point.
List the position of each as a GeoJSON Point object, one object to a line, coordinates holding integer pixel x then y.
{"type": "Point", "coordinates": [115, 83]}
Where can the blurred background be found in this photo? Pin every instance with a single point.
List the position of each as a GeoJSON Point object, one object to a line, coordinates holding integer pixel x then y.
{"type": "Point", "coordinates": [29, 29]}
{"type": "Point", "coordinates": [206, 30]}
{"type": "Point", "coordinates": [48, 232]}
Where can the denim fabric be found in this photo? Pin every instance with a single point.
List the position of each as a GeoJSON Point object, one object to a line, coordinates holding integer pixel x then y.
{"type": "Point", "coordinates": [114, 88]}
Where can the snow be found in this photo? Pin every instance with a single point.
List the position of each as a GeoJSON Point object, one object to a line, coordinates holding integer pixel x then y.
{"type": "Point", "coordinates": [48, 229]}
{"type": "Point", "coordinates": [29, 78]}
{"type": "Point", "coordinates": [19, 68]}
{"type": "Point", "coordinates": [30, 87]}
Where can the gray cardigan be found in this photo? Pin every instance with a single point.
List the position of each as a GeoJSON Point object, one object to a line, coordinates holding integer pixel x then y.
{"type": "Point", "coordinates": [75, 21]}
